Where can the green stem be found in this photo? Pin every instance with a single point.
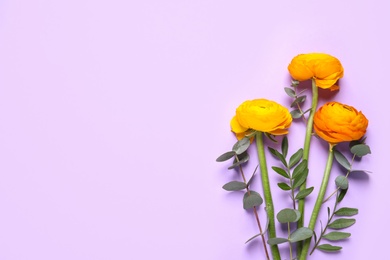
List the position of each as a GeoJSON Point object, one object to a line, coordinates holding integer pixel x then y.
{"type": "Point", "coordinates": [267, 193]}
{"type": "Point", "coordinates": [306, 149]}
{"type": "Point", "coordinates": [317, 205]}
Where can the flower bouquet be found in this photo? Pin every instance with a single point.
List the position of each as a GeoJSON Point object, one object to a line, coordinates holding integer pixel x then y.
{"type": "Point", "coordinates": [334, 123]}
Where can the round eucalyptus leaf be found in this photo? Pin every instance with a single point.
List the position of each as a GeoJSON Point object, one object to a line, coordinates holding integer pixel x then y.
{"type": "Point", "coordinates": [252, 199]}
{"type": "Point", "coordinates": [360, 150]}
{"type": "Point", "coordinates": [241, 145]}
{"type": "Point", "coordinates": [301, 234]}
{"type": "Point", "coordinates": [287, 215]}
{"type": "Point", "coordinates": [342, 182]}
{"type": "Point", "coordinates": [296, 113]}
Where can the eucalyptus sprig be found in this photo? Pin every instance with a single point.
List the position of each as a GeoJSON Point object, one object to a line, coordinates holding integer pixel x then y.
{"type": "Point", "coordinates": [294, 169]}
{"type": "Point", "coordinates": [298, 99]}
{"type": "Point", "coordinates": [288, 216]}
{"type": "Point", "coordinates": [340, 223]}
{"type": "Point", "coordinates": [251, 198]}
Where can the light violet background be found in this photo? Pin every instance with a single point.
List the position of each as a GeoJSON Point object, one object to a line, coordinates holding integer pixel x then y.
{"type": "Point", "coordinates": [113, 113]}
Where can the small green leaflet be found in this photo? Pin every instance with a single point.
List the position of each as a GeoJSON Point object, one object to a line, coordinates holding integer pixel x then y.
{"type": "Point", "coordinates": [329, 248]}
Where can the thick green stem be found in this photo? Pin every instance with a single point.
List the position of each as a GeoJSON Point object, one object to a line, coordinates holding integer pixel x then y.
{"type": "Point", "coordinates": [306, 149]}
{"type": "Point", "coordinates": [317, 205]}
{"type": "Point", "coordinates": [267, 193]}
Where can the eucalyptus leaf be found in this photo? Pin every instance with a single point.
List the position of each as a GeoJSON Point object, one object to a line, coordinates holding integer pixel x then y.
{"type": "Point", "coordinates": [346, 211]}
{"type": "Point", "coordinates": [278, 155]}
{"type": "Point", "coordinates": [296, 113]}
{"type": "Point", "coordinates": [342, 223]}
{"type": "Point", "coordinates": [276, 241]}
{"type": "Point", "coordinates": [242, 158]}
{"type": "Point", "coordinates": [304, 193]}
{"type": "Point", "coordinates": [241, 145]}
{"type": "Point", "coordinates": [295, 158]}
{"type": "Point", "coordinates": [294, 83]}
{"type": "Point", "coordinates": [298, 100]}
{"type": "Point", "coordinates": [226, 156]}
{"type": "Point", "coordinates": [250, 239]}
{"type": "Point", "coordinates": [284, 146]}
{"type": "Point", "coordinates": [336, 235]}
{"type": "Point", "coordinates": [253, 175]}
{"type": "Point", "coordinates": [281, 172]}
{"type": "Point", "coordinates": [252, 199]}
{"type": "Point", "coordinates": [342, 160]}
{"type": "Point", "coordinates": [301, 234]}
{"type": "Point", "coordinates": [329, 248]}
{"type": "Point", "coordinates": [360, 150]}
{"type": "Point", "coordinates": [234, 186]}
{"type": "Point", "coordinates": [342, 182]}
{"type": "Point", "coordinates": [284, 186]}
{"type": "Point", "coordinates": [288, 215]}
{"type": "Point", "coordinates": [290, 92]}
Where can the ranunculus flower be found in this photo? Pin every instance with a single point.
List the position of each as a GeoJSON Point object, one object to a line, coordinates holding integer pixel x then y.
{"type": "Point", "coordinates": [323, 68]}
{"type": "Point", "coordinates": [335, 122]}
{"type": "Point", "coordinates": [261, 115]}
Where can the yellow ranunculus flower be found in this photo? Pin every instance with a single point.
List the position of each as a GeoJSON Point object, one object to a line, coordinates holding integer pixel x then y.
{"type": "Point", "coordinates": [323, 68]}
{"type": "Point", "coordinates": [335, 122]}
{"type": "Point", "coordinates": [261, 115]}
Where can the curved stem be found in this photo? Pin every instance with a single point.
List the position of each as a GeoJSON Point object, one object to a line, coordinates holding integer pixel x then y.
{"type": "Point", "coordinates": [317, 205]}
{"type": "Point", "coordinates": [267, 193]}
{"type": "Point", "coordinates": [306, 149]}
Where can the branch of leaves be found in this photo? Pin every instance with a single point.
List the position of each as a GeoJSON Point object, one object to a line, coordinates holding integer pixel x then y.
{"type": "Point", "coordinates": [239, 152]}
{"type": "Point", "coordinates": [298, 98]}
{"type": "Point", "coordinates": [341, 223]}
{"type": "Point", "coordinates": [297, 166]}
{"type": "Point", "coordinates": [357, 149]}
{"type": "Point", "coordinates": [290, 216]}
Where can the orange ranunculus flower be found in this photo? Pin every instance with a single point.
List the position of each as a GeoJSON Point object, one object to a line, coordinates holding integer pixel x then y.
{"type": "Point", "coordinates": [323, 68]}
{"type": "Point", "coordinates": [261, 115]}
{"type": "Point", "coordinates": [335, 122]}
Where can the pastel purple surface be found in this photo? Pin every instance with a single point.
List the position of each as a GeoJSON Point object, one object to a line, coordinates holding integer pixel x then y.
{"type": "Point", "coordinates": [112, 114]}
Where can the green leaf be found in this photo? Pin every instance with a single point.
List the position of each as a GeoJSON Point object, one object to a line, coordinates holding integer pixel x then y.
{"type": "Point", "coordinates": [296, 113]}
{"type": "Point", "coordinates": [335, 235]}
{"type": "Point", "coordinates": [241, 145]}
{"type": "Point", "coordinates": [342, 182]}
{"type": "Point", "coordinates": [341, 194]}
{"type": "Point", "coordinates": [284, 146]}
{"type": "Point", "coordinates": [304, 193]}
{"type": "Point", "coordinates": [298, 100]}
{"type": "Point", "coordinates": [295, 158]}
{"type": "Point", "coordinates": [329, 248]}
{"type": "Point", "coordinates": [288, 215]}
{"type": "Point", "coordinates": [278, 155]}
{"type": "Point", "coordinates": [360, 150]}
{"type": "Point", "coordinates": [346, 211]}
{"type": "Point", "coordinates": [252, 199]}
{"type": "Point", "coordinates": [276, 241]}
{"type": "Point", "coordinates": [290, 92]}
{"type": "Point", "coordinates": [294, 83]}
{"type": "Point", "coordinates": [250, 239]}
{"type": "Point", "coordinates": [342, 223]}
{"type": "Point", "coordinates": [281, 172]}
{"type": "Point", "coordinates": [299, 169]}
{"type": "Point", "coordinates": [242, 158]}
{"type": "Point", "coordinates": [234, 186]}
{"type": "Point", "coordinates": [301, 234]}
{"type": "Point", "coordinates": [340, 158]}
{"type": "Point", "coordinates": [284, 186]}
{"type": "Point", "coordinates": [300, 179]}
{"type": "Point", "coordinates": [253, 175]}
{"type": "Point", "coordinates": [226, 156]}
